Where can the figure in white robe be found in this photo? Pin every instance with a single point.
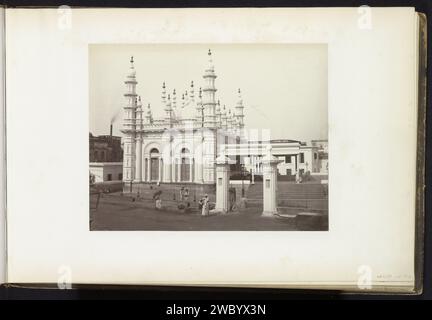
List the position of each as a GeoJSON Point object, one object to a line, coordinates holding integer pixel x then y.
{"type": "Point", "coordinates": [205, 206]}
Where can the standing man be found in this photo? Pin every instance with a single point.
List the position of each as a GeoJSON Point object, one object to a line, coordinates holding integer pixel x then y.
{"type": "Point", "coordinates": [205, 206]}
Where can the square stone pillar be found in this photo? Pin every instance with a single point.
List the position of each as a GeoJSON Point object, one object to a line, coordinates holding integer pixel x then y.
{"type": "Point", "coordinates": [222, 183]}
{"type": "Point", "coordinates": [270, 184]}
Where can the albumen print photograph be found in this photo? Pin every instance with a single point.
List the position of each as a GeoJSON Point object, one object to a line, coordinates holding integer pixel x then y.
{"type": "Point", "coordinates": [208, 137]}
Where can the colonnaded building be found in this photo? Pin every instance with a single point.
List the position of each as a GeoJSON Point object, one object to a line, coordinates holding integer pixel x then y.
{"type": "Point", "coordinates": [183, 145]}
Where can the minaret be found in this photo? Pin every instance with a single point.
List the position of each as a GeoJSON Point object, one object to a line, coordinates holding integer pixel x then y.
{"type": "Point", "coordinates": [209, 91]}
{"type": "Point", "coordinates": [239, 111]}
{"type": "Point", "coordinates": [192, 93]}
{"type": "Point", "coordinates": [218, 115]}
{"type": "Point", "coordinates": [138, 141]}
{"type": "Point", "coordinates": [148, 116]}
{"type": "Point", "coordinates": [199, 109]}
{"type": "Point", "coordinates": [229, 120]}
{"type": "Point", "coordinates": [139, 115]}
{"type": "Point", "coordinates": [224, 118]}
{"type": "Point", "coordinates": [163, 94]}
{"type": "Point", "coordinates": [233, 122]}
{"type": "Point", "coordinates": [174, 104]}
{"type": "Point", "coordinates": [129, 125]}
{"type": "Point", "coordinates": [168, 112]}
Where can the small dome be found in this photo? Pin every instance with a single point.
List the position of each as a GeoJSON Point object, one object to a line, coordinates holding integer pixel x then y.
{"type": "Point", "coordinates": [131, 73]}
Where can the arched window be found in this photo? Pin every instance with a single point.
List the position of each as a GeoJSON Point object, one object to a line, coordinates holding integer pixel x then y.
{"type": "Point", "coordinates": [185, 165]}
{"type": "Point", "coordinates": [154, 150]}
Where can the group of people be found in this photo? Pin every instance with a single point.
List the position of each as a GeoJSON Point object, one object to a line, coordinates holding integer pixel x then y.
{"type": "Point", "coordinates": [203, 203]}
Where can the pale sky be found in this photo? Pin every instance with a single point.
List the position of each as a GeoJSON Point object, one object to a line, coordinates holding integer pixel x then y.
{"type": "Point", "coordinates": [284, 86]}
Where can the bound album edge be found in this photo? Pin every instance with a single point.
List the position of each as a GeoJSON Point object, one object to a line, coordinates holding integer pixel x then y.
{"type": "Point", "coordinates": [421, 155]}
{"type": "Point", "coordinates": [3, 243]}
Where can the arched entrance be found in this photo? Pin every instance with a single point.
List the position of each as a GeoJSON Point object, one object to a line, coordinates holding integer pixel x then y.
{"type": "Point", "coordinates": [185, 165]}
{"type": "Point", "coordinates": [154, 164]}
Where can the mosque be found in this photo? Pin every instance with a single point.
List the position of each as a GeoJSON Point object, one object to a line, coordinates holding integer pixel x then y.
{"type": "Point", "coordinates": [182, 146]}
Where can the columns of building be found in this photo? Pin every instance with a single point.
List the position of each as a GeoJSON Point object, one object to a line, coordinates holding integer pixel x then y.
{"type": "Point", "coordinates": [190, 169]}
{"type": "Point", "coordinates": [138, 144]}
{"type": "Point", "coordinates": [198, 160]}
{"type": "Point", "coordinates": [174, 169]}
{"type": "Point", "coordinates": [209, 155]}
{"type": "Point", "coordinates": [145, 172]}
{"type": "Point", "coordinates": [167, 176]}
{"type": "Point", "coordinates": [160, 176]}
{"type": "Point", "coordinates": [148, 169]}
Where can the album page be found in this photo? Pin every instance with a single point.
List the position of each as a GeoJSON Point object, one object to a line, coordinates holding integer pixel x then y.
{"type": "Point", "coordinates": [217, 147]}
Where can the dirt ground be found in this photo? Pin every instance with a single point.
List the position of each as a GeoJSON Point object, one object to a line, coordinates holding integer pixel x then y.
{"type": "Point", "coordinates": [116, 212]}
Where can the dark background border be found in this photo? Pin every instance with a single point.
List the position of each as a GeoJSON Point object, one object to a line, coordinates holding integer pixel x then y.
{"type": "Point", "coordinates": [218, 294]}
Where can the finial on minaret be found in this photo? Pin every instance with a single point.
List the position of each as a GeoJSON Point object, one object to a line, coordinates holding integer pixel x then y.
{"type": "Point", "coordinates": [209, 52]}
{"type": "Point", "coordinates": [200, 93]}
{"type": "Point", "coordinates": [192, 93]}
{"type": "Point", "coordinates": [131, 60]}
{"type": "Point", "coordinates": [163, 93]}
